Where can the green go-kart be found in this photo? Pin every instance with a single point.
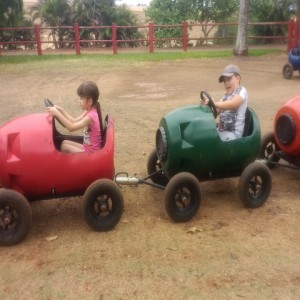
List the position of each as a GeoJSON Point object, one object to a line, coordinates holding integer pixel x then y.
{"type": "Point", "coordinates": [189, 150]}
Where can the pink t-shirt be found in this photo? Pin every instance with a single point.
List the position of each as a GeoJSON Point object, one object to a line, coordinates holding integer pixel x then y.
{"type": "Point", "coordinates": [92, 136]}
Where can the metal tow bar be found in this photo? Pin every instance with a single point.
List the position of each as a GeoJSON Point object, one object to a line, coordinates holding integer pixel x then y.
{"type": "Point", "coordinates": [124, 179]}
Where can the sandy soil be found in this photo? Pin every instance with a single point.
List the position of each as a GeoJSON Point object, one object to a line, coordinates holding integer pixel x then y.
{"type": "Point", "coordinates": [234, 253]}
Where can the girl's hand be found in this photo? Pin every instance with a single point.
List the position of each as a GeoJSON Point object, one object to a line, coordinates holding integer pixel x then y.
{"type": "Point", "coordinates": [58, 108]}
{"type": "Point", "coordinates": [53, 111]}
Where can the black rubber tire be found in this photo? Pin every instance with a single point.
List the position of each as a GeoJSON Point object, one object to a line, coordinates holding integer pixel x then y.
{"type": "Point", "coordinates": [255, 185]}
{"type": "Point", "coordinates": [182, 197]}
{"type": "Point", "coordinates": [15, 217]}
{"type": "Point", "coordinates": [268, 149]}
{"type": "Point", "coordinates": [103, 205]}
{"type": "Point", "coordinates": [154, 165]}
{"type": "Point", "coordinates": [287, 71]}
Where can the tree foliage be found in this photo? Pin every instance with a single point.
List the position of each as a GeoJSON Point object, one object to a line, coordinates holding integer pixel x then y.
{"type": "Point", "coordinates": [270, 11]}
{"type": "Point", "coordinates": [11, 12]}
{"type": "Point", "coordinates": [194, 11]}
{"type": "Point", "coordinates": [11, 15]}
{"type": "Point", "coordinates": [56, 13]}
{"type": "Point", "coordinates": [93, 12]}
{"type": "Point", "coordinates": [53, 13]}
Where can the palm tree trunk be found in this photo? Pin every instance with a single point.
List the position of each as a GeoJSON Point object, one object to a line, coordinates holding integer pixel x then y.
{"type": "Point", "coordinates": [241, 46]}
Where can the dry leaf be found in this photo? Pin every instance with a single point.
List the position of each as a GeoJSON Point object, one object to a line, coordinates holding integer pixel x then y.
{"type": "Point", "coordinates": [193, 230]}
{"type": "Point", "coordinates": [173, 249]}
{"type": "Point", "coordinates": [51, 238]}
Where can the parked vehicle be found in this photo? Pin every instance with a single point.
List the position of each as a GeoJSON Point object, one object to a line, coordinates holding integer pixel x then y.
{"type": "Point", "coordinates": [282, 146]}
{"type": "Point", "coordinates": [33, 168]}
{"type": "Point", "coordinates": [293, 64]}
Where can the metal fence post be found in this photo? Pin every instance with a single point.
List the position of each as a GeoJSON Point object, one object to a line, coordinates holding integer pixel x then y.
{"type": "Point", "coordinates": [37, 29]}
{"type": "Point", "coordinates": [151, 39]}
{"type": "Point", "coordinates": [185, 35]}
{"type": "Point", "coordinates": [77, 38]}
{"type": "Point", "coordinates": [114, 37]}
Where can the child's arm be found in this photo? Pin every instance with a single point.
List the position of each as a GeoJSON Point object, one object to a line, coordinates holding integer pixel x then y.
{"type": "Point", "coordinates": [71, 125]}
{"type": "Point", "coordinates": [67, 116]}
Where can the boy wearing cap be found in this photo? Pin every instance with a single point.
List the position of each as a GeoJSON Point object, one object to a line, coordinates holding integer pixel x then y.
{"type": "Point", "coordinates": [232, 106]}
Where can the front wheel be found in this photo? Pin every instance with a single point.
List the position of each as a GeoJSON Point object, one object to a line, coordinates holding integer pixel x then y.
{"type": "Point", "coordinates": [154, 167]}
{"type": "Point", "coordinates": [269, 148]}
{"type": "Point", "coordinates": [287, 71]}
{"type": "Point", "coordinates": [103, 205]}
{"type": "Point", "coordinates": [182, 197]}
{"type": "Point", "coordinates": [15, 217]}
{"type": "Point", "coordinates": [255, 185]}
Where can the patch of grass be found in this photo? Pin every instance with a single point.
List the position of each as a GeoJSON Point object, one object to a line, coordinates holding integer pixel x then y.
{"type": "Point", "coordinates": [157, 56]}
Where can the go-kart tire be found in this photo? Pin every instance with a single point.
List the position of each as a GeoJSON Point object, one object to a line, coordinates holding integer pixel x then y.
{"type": "Point", "coordinates": [287, 71]}
{"type": "Point", "coordinates": [154, 165]}
{"type": "Point", "coordinates": [255, 185]}
{"type": "Point", "coordinates": [182, 197]}
{"type": "Point", "coordinates": [15, 217]}
{"type": "Point", "coordinates": [268, 149]}
{"type": "Point", "coordinates": [103, 205]}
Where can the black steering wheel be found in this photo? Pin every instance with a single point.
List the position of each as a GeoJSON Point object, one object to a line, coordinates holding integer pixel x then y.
{"type": "Point", "coordinates": [48, 103]}
{"type": "Point", "coordinates": [211, 104]}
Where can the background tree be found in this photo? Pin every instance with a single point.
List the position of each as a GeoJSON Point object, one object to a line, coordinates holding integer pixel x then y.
{"type": "Point", "coordinates": [11, 15]}
{"type": "Point", "coordinates": [122, 16]}
{"type": "Point", "coordinates": [194, 11]}
{"type": "Point", "coordinates": [211, 11]}
{"type": "Point", "coordinates": [93, 13]}
{"type": "Point", "coordinates": [163, 12]}
{"type": "Point", "coordinates": [53, 13]}
{"type": "Point", "coordinates": [241, 46]}
{"type": "Point", "coordinates": [104, 13]}
{"type": "Point", "coordinates": [11, 12]}
{"type": "Point", "coordinates": [270, 11]}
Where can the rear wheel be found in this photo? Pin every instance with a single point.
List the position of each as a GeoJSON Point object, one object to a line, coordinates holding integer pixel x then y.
{"type": "Point", "coordinates": [255, 185]}
{"type": "Point", "coordinates": [182, 197]}
{"type": "Point", "coordinates": [268, 149]}
{"type": "Point", "coordinates": [154, 167]}
{"type": "Point", "coordinates": [287, 71]}
{"type": "Point", "coordinates": [103, 205]}
{"type": "Point", "coordinates": [15, 217]}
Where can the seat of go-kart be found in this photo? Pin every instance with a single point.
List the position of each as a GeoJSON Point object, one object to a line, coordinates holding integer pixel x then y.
{"type": "Point", "coordinates": [248, 128]}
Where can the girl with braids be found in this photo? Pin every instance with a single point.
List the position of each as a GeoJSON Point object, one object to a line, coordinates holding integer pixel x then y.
{"type": "Point", "coordinates": [90, 120]}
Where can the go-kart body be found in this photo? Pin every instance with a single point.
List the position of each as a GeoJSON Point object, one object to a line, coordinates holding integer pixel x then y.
{"type": "Point", "coordinates": [31, 163]}
{"type": "Point", "coordinates": [192, 144]}
{"type": "Point", "coordinates": [32, 167]}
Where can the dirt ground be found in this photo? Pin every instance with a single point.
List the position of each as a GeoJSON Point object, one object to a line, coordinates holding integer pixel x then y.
{"type": "Point", "coordinates": [233, 253]}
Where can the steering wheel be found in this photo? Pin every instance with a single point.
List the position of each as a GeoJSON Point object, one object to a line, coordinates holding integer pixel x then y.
{"type": "Point", "coordinates": [48, 103]}
{"type": "Point", "coordinates": [211, 104]}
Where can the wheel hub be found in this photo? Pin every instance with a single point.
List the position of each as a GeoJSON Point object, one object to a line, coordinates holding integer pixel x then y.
{"type": "Point", "coordinates": [7, 217]}
{"type": "Point", "coordinates": [103, 206]}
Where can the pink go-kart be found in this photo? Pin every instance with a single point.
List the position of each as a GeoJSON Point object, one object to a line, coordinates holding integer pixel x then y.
{"type": "Point", "coordinates": [33, 168]}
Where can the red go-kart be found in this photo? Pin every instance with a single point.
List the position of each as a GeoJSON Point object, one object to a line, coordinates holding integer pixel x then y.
{"type": "Point", "coordinates": [282, 147]}
{"type": "Point", "coordinates": [33, 168]}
